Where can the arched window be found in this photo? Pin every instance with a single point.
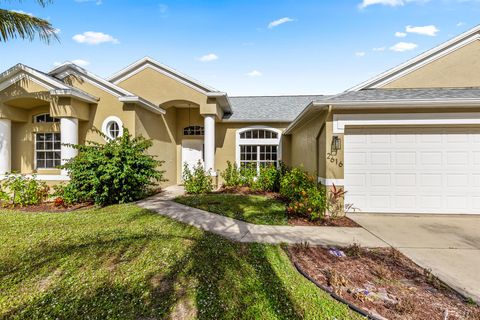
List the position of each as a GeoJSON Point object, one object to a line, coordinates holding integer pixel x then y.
{"type": "Point", "coordinates": [193, 131]}
{"type": "Point", "coordinates": [44, 118]}
{"type": "Point", "coordinates": [112, 127]}
{"type": "Point", "coordinates": [258, 146]}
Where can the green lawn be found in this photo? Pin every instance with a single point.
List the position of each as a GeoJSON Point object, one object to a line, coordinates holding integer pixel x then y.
{"type": "Point", "coordinates": [123, 262]}
{"type": "Point", "coordinates": [249, 208]}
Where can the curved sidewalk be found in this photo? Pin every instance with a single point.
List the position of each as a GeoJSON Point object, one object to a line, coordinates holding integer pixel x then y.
{"type": "Point", "coordinates": [246, 232]}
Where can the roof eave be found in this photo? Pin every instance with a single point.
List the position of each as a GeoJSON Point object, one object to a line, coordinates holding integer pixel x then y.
{"type": "Point", "coordinates": [69, 93]}
{"type": "Point", "coordinates": [142, 103]}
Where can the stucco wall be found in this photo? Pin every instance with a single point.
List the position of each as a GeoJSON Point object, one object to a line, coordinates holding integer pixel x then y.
{"type": "Point", "coordinates": [460, 68]}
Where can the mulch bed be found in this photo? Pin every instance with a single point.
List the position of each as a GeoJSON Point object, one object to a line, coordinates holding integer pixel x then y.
{"type": "Point", "coordinates": [51, 207]}
{"type": "Point", "coordinates": [337, 222]}
{"type": "Point", "coordinates": [292, 220]}
{"type": "Point", "coordinates": [383, 282]}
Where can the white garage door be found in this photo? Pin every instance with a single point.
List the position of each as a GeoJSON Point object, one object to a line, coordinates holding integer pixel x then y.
{"type": "Point", "coordinates": [413, 170]}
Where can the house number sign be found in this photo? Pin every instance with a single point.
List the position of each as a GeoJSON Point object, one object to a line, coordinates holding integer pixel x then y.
{"type": "Point", "coordinates": [333, 159]}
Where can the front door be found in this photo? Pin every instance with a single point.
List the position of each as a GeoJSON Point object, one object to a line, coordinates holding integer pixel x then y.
{"type": "Point", "coordinates": [192, 153]}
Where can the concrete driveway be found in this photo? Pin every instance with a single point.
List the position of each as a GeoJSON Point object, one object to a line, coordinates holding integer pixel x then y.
{"type": "Point", "coordinates": [449, 245]}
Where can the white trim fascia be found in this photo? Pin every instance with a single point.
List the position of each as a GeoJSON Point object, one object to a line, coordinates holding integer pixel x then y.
{"type": "Point", "coordinates": [148, 62]}
{"type": "Point", "coordinates": [72, 69]}
{"type": "Point", "coordinates": [302, 114]}
{"type": "Point", "coordinates": [340, 121]}
{"type": "Point", "coordinates": [143, 103]}
{"type": "Point", "coordinates": [42, 177]}
{"type": "Point", "coordinates": [331, 182]}
{"type": "Point", "coordinates": [257, 120]}
{"type": "Point", "coordinates": [74, 94]}
{"type": "Point", "coordinates": [420, 60]}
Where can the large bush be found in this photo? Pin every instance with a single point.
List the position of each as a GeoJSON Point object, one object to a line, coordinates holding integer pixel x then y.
{"type": "Point", "coordinates": [268, 179]}
{"type": "Point", "coordinates": [197, 180]}
{"type": "Point", "coordinates": [311, 203]}
{"type": "Point", "coordinates": [20, 190]}
{"type": "Point", "coordinates": [118, 171]}
{"type": "Point", "coordinates": [294, 182]}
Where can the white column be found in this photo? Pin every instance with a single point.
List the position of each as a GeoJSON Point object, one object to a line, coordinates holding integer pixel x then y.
{"type": "Point", "coordinates": [69, 135]}
{"type": "Point", "coordinates": [209, 142]}
{"type": "Point", "coordinates": [5, 146]}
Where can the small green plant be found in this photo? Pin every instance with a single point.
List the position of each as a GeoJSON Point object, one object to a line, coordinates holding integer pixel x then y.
{"type": "Point", "coordinates": [268, 179]}
{"type": "Point", "coordinates": [248, 174]}
{"type": "Point", "coordinates": [118, 171]}
{"type": "Point", "coordinates": [231, 176]}
{"type": "Point", "coordinates": [197, 180]}
{"type": "Point", "coordinates": [20, 190]}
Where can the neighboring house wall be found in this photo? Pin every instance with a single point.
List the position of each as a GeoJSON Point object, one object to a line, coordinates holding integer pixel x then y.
{"type": "Point", "coordinates": [460, 68]}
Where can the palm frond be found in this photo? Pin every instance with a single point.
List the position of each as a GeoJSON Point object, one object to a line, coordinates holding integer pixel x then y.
{"type": "Point", "coordinates": [20, 25]}
{"type": "Point", "coordinates": [43, 3]}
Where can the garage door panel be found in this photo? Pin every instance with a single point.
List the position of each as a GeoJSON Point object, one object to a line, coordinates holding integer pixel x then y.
{"type": "Point", "coordinates": [421, 170]}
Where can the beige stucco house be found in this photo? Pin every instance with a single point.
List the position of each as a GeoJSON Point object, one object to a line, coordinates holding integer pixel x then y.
{"type": "Point", "coordinates": [405, 141]}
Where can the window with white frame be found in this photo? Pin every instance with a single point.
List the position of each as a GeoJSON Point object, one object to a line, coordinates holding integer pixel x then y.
{"type": "Point", "coordinates": [258, 147]}
{"type": "Point", "coordinates": [112, 127]}
{"type": "Point", "coordinates": [193, 131]}
{"type": "Point", "coordinates": [44, 118]}
{"type": "Point", "coordinates": [47, 150]}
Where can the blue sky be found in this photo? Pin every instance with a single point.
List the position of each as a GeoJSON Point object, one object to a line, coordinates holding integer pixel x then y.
{"type": "Point", "coordinates": [246, 47]}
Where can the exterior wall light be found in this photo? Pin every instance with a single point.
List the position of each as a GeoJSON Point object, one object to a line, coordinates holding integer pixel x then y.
{"type": "Point", "coordinates": [336, 144]}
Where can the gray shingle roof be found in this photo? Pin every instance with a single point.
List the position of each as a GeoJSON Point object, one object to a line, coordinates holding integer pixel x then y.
{"type": "Point", "coordinates": [269, 108]}
{"type": "Point", "coordinates": [398, 95]}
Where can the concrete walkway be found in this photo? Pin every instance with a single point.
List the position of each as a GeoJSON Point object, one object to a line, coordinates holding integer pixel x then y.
{"type": "Point", "coordinates": [246, 232]}
{"type": "Point", "coordinates": [449, 245]}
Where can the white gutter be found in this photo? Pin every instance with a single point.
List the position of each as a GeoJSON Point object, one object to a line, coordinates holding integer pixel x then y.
{"type": "Point", "coordinates": [69, 93]}
{"type": "Point", "coordinates": [379, 103]}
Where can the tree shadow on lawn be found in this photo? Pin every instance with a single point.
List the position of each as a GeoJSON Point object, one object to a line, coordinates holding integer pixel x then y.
{"type": "Point", "coordinates": [213, 279]}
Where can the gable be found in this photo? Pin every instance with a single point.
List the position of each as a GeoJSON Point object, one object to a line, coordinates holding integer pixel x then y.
{"type": "Point", "coordinates": [159, 88]}
{"type": "Point", "coordinates": [459, 68]}
{"type": "Point", "coordinates": [451, 64]}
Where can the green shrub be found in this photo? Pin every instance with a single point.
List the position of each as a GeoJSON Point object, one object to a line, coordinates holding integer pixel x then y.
{"type": "Point", "coordinates": [294, 182]}
{"type": "Point", "coordinates": [197, 181]}
{"type": "Point", "coordinates": [248, 174]}
{"type": "Point", "coordinates": [268, 179]}
{"type": "Point", "coordinates": [20, 190]}
{"type": "Point", "coordinates": [118, 171]}
{"type": "Point", "coordinates": [231, 176]}
{"type": "Point", "coordinates": [311, 203]}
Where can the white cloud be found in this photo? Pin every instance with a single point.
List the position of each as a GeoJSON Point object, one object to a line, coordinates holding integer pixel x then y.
{"type": "Point", "coordinates": [360, 53]}
{"type": "Point", "coordinates": [429, 30]}
{"type": "Point", "coordinates": [460, 24]}
{"type": "Point", "coordinates": [91, 37]}
{"type": "Point", "coordinates": [280, 21]}
{"type": "Point", "coordinates": [97, 2]}
{"type": "Point", "coordinates": [399, 34]}
{"type": "Point", "coordinates": [163, 8]}
{"type": "Point", "coordinates": [403, 46]}
{"type": "Point", "coordinates": [208, 57]}
{"type": "Point", "coordinates": [391, 3]}
{"type": "Point", "coordinates": [254, 73]}
{"type": "Point", "coordinates": [23, 12]}
{"type": "Point", "coordinates": [379, 49]}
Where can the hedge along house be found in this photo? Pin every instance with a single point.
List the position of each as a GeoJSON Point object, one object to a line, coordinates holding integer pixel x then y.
{"type": "Point", "coordinates": [186, 120]}
{"type": "Point", "coordinates": [406, 141]}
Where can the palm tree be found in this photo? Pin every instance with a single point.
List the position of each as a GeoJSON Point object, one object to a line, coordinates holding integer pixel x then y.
{"type": "Point", "coordinates": [22, 25]}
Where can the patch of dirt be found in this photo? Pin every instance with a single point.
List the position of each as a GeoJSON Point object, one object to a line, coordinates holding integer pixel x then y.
{"type": "Point", "coordinates": [51, 207]}
{"type": "Point", "coordinates": [46, 283]}
{"type": "Point", "coordinates": [384, 282]}
{"type": "Point", "coordinates": [337, 222]}
{"type": "Point", "coordinates": [184, 310]}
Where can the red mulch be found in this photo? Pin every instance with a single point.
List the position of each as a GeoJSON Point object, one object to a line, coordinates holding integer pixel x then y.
{"type": "Point", "coordinates": [384, 282]}
{"type": "Point", "coordinates": [337, 222]}
{"type": "Point", "coordinates": [51, 207]}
